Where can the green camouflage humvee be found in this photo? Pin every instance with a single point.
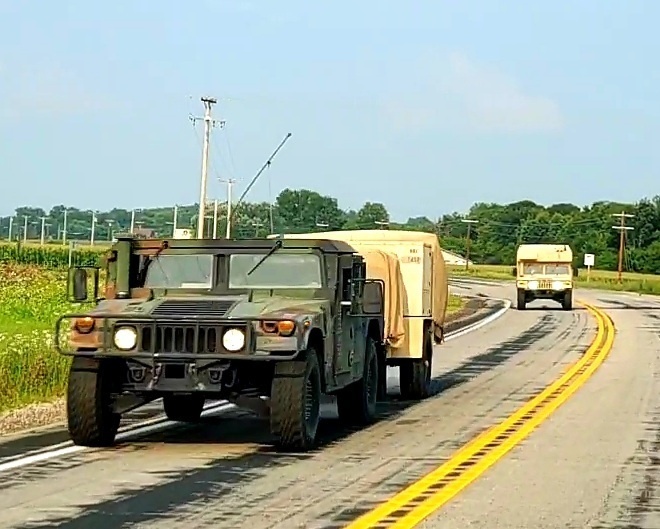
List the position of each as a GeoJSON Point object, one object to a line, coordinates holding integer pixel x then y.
{"type": "Point", "coordinates": [247, 321]}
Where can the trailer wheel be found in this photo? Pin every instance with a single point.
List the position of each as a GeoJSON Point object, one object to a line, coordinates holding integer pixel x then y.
{"type": "Point", "coordinates": [183, 408]}
{"type": "Point", "coordinates": [415, 375]}
{"type": "Point", "coordinates": [521, 301]}
{"type": "Point", "coordinates": [90, 418]}
{"type": "Point", "coordinates": [295, 402]}
{"type": "Point", "coordinates": [356, 403]}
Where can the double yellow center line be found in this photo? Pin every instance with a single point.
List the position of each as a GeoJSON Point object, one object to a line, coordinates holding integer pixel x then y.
{"type": "Point", "coordinates": [419, 500]}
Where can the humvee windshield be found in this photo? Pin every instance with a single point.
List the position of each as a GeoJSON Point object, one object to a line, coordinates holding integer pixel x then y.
{"type": "Point", "coordinates": [180, 271]}
{"type": "Point", "coordinates": [557, 269]}
{"type": "Point", "coordinates": [279, 270]}
{"type": "Point", "coordinates": [532, 269]}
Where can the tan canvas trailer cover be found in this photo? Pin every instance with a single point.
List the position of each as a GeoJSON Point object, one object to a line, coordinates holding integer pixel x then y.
{"type": "Point", "coordinates": [422, 269]}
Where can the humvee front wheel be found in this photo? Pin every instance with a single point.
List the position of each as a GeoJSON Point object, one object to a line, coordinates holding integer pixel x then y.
{"type": "Point", "coordinates": [90, 418]}
{"type": "Point", "coordinates": [521, 300]}
{"type": "Point", "coordinates": [567, 300]}
{"type": "Point", "coordinates": [415, 375]}
{"type": "Point", "coordinates": [183, 408]}
{"type": "Point", "coordinates": [356, 403]}
{"type": "Point", "coordinates": [295, 402]}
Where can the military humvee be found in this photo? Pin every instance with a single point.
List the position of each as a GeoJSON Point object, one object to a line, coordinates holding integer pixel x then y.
{"type": "Point", "coordinates": [249, 321]}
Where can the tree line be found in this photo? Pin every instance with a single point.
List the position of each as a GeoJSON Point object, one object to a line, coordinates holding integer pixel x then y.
{"type": "Point", "coordinates": [498, 229]}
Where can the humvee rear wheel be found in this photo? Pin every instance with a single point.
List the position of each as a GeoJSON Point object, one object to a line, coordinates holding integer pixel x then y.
{"type": "Point", "coordinates": [356, 403]}
{"type": "Point", "coordinates": [90, 418]}
{"type": "Point", "coordinates": [295, 402]}
{"type": "Point", "coordinates": [183, 408]}
{"type": "Point", "coordinates": [521, 301]}
{"type": "Point", "coordinates": [415, 375]}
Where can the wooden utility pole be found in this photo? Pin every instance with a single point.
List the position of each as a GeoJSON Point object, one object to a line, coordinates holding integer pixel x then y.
{"type": "Point", "coordinates": [209, 122]}
{"type": "Point", "coordinates": [622, 228]}
{"type": "Point", "coordinates": [469, 223]}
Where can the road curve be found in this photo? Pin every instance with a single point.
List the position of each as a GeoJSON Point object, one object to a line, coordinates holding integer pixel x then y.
{"type": "Point", "coordinates": [592, 463]}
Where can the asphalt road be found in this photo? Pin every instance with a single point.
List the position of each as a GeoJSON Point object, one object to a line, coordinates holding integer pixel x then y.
{"type": "Point", "coordinates": [592, 464]}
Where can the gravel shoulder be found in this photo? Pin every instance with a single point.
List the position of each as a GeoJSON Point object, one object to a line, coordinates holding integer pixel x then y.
{"type": "Point", "coordinates": [224, 473]}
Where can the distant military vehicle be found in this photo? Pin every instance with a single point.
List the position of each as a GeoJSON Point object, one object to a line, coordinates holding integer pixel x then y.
{"type": "Point", "coordinates": [544, 271]}
{"type": "Point", "coordinates": [244, 320]}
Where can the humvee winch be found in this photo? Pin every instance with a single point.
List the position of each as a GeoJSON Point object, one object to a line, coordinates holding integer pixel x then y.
{"type": "Point", "coordinates": [267, 325]}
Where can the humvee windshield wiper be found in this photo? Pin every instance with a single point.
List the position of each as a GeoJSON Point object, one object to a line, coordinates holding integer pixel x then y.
{"type": "Point", "coordinates": [276, 246]}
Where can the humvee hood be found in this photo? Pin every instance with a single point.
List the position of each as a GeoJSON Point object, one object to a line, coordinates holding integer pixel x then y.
{"type": "Point", "coordinates": [234, 307]}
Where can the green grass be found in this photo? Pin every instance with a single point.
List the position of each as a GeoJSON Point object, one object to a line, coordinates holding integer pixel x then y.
{"type": "Point", "coordinates": [454, 304]}
{"type": "Point", "coordinates": [601, 279]}
{"type": "Point", "coordinates": [30, 369]}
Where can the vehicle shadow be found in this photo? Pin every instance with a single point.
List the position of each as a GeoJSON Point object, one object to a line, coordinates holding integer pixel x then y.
{"type": "Point", "coordinates": [239, 450]}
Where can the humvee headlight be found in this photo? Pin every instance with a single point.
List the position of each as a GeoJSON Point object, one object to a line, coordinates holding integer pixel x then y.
{"type": "Point", "coordinates": [533, 284]}
{"type": "Point", "coordinates": [125, 338]}
{"type": "Point", "coordinates": [286, 327]}
{"type": "Point", "coordinates": [233, 340]}
{"type": "Point", "coordinates": [557, 285]}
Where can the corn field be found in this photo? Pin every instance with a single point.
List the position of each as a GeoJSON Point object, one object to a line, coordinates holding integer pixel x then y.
{"type": "Point", "coordinates": [49, 256]}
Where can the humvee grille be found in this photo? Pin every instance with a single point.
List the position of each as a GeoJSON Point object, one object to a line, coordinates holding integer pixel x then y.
{"type": "Point", "coordinates": [181, 339]}
{"type": "Point", "coordinates": [545, 284]}
{"type": "Point", "coordinates": [208, 308]}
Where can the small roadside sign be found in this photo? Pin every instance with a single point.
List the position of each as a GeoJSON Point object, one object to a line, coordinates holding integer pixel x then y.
{"type": "Point", "coordinates": [589, 259]}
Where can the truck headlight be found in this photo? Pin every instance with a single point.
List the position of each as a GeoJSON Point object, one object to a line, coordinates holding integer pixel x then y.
{"type": "Point", "coordinates": [125, 338]}
{"type": "Point", "coordinates": [557, 285]}
{"type": "Point", "coordinates": [533, 284]}
{"type": "Point", "coordinates": [233, 340]}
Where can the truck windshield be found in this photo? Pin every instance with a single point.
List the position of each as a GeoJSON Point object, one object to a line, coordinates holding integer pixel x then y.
{"type": "Point", "coordinates": [180, 271]}
{"type": "Point", "coordinates": [532, 269]}
{"type": "Point", "coordinates": [557, 269]}
{"type": "Point", "coordinates": [280, 270]}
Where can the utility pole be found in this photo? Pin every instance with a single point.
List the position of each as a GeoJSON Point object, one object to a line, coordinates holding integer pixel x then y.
{"type": "Point", "coordinates": [25, 227]}
{"type": "Point", "coordinates": [215, 218]}
{"type": "Point", "coordinates": [230, 182]}
{"type": "Point", "coordinates": [174, 219]}
{"type": "Point", "coordinates": [208, 124]}
{"type": "Point", "coordinates": [11, 226]}
{"type": "Point", "coordinates": [622, 228]}
{"type": "Point", "coordinates": [132, 221]}
{"type": "Point", "coordinates": [91, 239]}
{"type": "Point", "coordinates": [469, 223]}
{"type": "Point", "coordinates": [66, 211]}
{"type": "Point", "coordinates": [43, 228]}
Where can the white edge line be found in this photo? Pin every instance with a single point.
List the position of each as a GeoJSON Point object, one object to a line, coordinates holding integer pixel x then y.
{"type": "Point", "coordinates": [67, 448]}
{"type": "Point", "coordinates": [157, 424]}
{"type": "Point", "coordinates": [479, 324]}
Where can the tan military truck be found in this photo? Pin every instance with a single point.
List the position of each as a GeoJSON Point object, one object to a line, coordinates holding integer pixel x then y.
{"type": "Point", "coordinates": [411, 265]}
{"type": "Point", "coordinates": [544, 271]}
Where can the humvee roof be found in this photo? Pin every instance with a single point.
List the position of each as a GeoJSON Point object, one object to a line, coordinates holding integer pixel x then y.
{"type": "Point", "coordinates": [324, 245]}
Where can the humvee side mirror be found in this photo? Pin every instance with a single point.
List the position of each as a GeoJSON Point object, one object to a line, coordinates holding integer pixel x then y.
{"type": "Point", "coordinates": [78, 283]}
{"type": "Point", "coordinates": [514, 271]}
{"type": "Point", "coordinates": [372, 297]}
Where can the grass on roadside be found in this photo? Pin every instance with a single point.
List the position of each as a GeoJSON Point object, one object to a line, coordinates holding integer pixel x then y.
{"type": "Point", "coordinates": [454, 304]}
{"type": "Point", "coordinates": [30, 369]}
{"type": "Point", "coordinates": [602, 279]}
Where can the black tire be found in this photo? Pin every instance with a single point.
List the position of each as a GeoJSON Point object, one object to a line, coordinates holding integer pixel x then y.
{"type": "Point", "coordinates": [567, 300]}
{"type": "Point", "coordinates": [295, 402]}
{"type": "Point", "coordinates": [183, 408]}
{"type": "Point", "coordinates": [90, 418]}
{"type": "Point", "coordinates": [415, 375]}
{"type": "Point", "coordinates": [521, 302]}
{"type": "Point", "coordinates": [356, 403]}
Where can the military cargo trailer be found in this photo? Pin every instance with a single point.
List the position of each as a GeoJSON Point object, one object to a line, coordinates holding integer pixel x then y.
{"type": "Point", "coordinates": [249, 321]}
{"type": "Point", "coordinates": [544, 271]}
{"type": "Point", "coordinates": [412, 267]}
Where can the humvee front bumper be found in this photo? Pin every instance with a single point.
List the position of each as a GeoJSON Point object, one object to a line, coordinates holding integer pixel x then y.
{"type": "Point", "coordinates": [186, 339]}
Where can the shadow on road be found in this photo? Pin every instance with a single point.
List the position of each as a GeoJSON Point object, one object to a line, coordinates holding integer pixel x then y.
{"type": "Point", "coordinates": [185, 493]}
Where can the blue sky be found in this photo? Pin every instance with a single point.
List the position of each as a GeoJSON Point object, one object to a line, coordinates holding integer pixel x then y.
{"type": "Point", "coordinates": [426, 106]}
